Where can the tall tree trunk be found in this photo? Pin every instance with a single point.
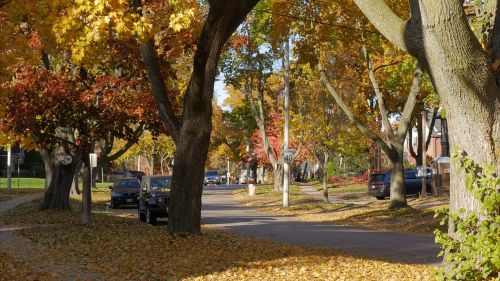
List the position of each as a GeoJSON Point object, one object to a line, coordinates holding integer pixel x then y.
{"type": "Point", "coordinates": [75, 188]}
{"type": "Point", "coordinates": [397, 196]}
{"type": "Point", "coordinates": [48, 165]}
{"type": "Point", "coordinates": [56, 196]}
{"type": "Point", "coordinates": [86, 217]}
{"type": "Point", "coordinates": [278, 177]}
{"type": "Point", "coordinates": [191, 133]}
{"type": "Point", "coordinates": [325, 177]}
{"type": "Point", "coordinates": [439, 36]}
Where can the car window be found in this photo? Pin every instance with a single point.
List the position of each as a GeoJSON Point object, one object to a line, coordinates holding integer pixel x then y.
{"type": "Point", "coordinates": [377, 178]}
{"type": "Point", "coordinates": [165, 182]}
{"type": "Point", "coordinates": [128, 184]}
{"type": "Point", "coordinates": [212, 173]}
{"type": "Point", "coordinates": [410, 175]}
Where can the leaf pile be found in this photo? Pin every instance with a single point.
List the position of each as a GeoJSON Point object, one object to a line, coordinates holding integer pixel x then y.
{"type": "Point", "coordinates": [122, 248]}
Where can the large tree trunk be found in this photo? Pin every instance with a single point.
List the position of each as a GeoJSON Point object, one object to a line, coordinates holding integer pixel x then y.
{"type": "Point", "coordinates": [56, 196]}
{"type": "Point", "coordinates": [48, 164]}
{"type": "Point", "coordinates": [278, 177]}
{"type": "Point", "coordinates": [439, 36]}
{"type": "Point", "coordinates": [193, 136]}
{"type": "Point", "coordinates": [397, 196]}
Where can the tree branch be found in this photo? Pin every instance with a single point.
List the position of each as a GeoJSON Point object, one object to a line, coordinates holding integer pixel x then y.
{"type": "Point", "coordinates": [410, 103]}
{"type": "Point", "coordinates": [137, 134]}
{"type": "Point", "coordinates": [385, 20]}
{"type": "Point", "coordinates": [378, 93]}
{"type": "Point", "coordinates": [348, 112]}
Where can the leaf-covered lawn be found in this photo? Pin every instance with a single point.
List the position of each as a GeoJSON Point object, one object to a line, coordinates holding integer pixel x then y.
{"type": "Point", "coordinates": [119, 247]}
{"type": "Point", "coordinates": [14, 193]}
{"type": "Point", "coordinates": [417, 219]}
{"type": "Point", "coordinates": [20, 187]}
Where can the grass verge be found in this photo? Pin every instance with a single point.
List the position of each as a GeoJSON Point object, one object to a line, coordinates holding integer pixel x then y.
{"type": "Point", "coordinates": [417, 219]}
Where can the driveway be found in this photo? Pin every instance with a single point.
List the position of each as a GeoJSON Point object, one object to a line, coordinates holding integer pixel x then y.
{"type": "Point", "coordinates": [222, 211]}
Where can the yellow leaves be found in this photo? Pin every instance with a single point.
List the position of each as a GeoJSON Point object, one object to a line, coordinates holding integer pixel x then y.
{"type": "Point", "coordinates": [89, 23]}
{"type": "Point", "coordinates": [181, 20]}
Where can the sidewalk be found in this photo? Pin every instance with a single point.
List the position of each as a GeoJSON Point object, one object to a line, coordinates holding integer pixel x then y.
{"type": "Point", "coordinates": [22, 248]}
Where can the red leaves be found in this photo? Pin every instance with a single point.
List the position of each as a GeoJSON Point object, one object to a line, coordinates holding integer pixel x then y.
{"type": "Point", "coordinates": [43, 101]}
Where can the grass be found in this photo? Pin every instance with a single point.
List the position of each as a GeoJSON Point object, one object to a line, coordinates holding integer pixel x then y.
{"type": "Point", "coordinates": [20, 187]}
{"type": "Point", "coordinates": [417, 219]}
{"type": "Point", "coordinates": [119, 247]}
{"type": "Point", "coordinates": [349, 188]}
{"type": "Point", "coordinates": [23, 183]}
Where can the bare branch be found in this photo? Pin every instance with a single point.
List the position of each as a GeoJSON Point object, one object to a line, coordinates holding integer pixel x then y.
{"type": "Point", "coordinates": [380, 96]}
{"type": "Point", "coordinates": [410, 103]}
{"type": "Point", "coordinates": [338, 99]}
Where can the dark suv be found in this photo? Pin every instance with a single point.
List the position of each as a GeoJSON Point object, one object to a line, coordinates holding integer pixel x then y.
{"type": "Point", "coordinates": [379, 184]}
{"type": "Point", "coordinates": [124, 191]}
{"type": "Point", "coordinates": [154, 197]}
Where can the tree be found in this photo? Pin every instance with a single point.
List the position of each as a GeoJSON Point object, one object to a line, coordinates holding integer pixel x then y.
{"type": "Point", "coordinates": [463, 74]}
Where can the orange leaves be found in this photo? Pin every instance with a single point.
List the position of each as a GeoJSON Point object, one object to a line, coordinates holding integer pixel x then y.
{"type": "Point", "coordinates": [119, 247]}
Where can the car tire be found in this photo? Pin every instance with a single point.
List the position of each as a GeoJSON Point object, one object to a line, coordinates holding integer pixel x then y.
{"type": "Point", "coordinates": [380, 197]}
{"type": "Point", "coordinates": [150, 217]}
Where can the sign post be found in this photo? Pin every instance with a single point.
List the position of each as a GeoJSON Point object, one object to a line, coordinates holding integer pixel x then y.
{"type": "Point", "coordinates": [92, 164]}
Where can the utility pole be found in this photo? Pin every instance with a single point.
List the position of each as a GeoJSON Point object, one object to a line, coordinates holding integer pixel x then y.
{"type": "Point", "coordinates": [9, 167]}
{"type": "Point", "coordinates": [227, 174]}
{"type": "Point", "coordinates": [286, 166]}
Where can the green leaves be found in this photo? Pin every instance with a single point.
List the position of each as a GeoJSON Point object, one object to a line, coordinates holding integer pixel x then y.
{"type": "Point", "coordinates": [473, 250]}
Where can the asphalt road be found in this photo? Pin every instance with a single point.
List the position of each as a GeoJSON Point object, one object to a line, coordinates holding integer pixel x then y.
{"type": "Point", "coordinates": [220, 210]}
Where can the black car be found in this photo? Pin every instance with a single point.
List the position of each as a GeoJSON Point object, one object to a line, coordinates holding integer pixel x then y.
{"type": "Point", "coordinates": [154, 198]}
{"type": "Point", "coordinates": [212, 177]}
{"type": "Point", "coordinates": [379, 184]}
{"type": "Point", "coordinates": [124, 191]}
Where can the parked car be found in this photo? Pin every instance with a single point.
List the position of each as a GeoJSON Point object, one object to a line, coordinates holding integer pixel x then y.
{"type": "Point", "coordinates": [212, 177]}
{"type": "Point", "coordinates": [154, 198]}
{"type": "Point", "coordinates": [124, 191]}
{"type": "Point", "coordinates": [112, 176]}
{"type": "Point", "coordinates": [137, 174]}
{"type": "Point", "coordinates": [379, 184]}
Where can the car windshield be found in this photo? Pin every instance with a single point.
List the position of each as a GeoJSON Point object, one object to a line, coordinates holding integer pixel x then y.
{"type": "Point", "coordinates": [377, 178]}
{"type": "Point", "coordinates": [128, 184]}
{"type": "Point", "coordinates": [212, 173]}
{"type": "Point", "coordinates": [157, 183]}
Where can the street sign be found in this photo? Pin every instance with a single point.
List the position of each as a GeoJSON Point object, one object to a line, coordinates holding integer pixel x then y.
{"type": "Point", "coordinates": [93, 160]}
{"type": "Point", "coordinates": [288, 156]}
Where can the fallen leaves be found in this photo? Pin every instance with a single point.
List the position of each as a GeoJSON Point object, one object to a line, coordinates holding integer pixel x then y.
{"type": "Point", "coordinates": [122, 248]}
{"type": "Point", "coordinates": [417, 219]}
{"type": "Point", "coordinates": [13, 193]}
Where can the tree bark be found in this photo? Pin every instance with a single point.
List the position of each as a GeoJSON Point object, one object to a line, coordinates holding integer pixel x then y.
{"type": "Point", "coordinates": [56, 196]}
{"type": "Point", "coordinates": [397, 187]}
{"type": "Point", "coordinates": [86, 217]}
{"type": "Point", "coordinates": [439, 36]}
{"type": "Point", "coordinates": [193, 135]}
{"type": "Point", "coordinates": [325, 177]}
{"type": "Point", "coordinates": [278, 177]}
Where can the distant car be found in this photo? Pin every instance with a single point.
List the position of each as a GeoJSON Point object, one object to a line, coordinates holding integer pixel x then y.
{"type": "Point", "coordinates": [137, 174]}
{"type": "Point", "coordinates": [124, 191]}
{"type": "Point", "coordinates": [379, 184]}
{"type": "Point", "coordinates": [112, 176]}
{"type": "Point", "coordinates": [154, 198]}
{"type": "Point", "coordinates": [212, 177]}
{"type": "Point", "coordinates": [244, 177]}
